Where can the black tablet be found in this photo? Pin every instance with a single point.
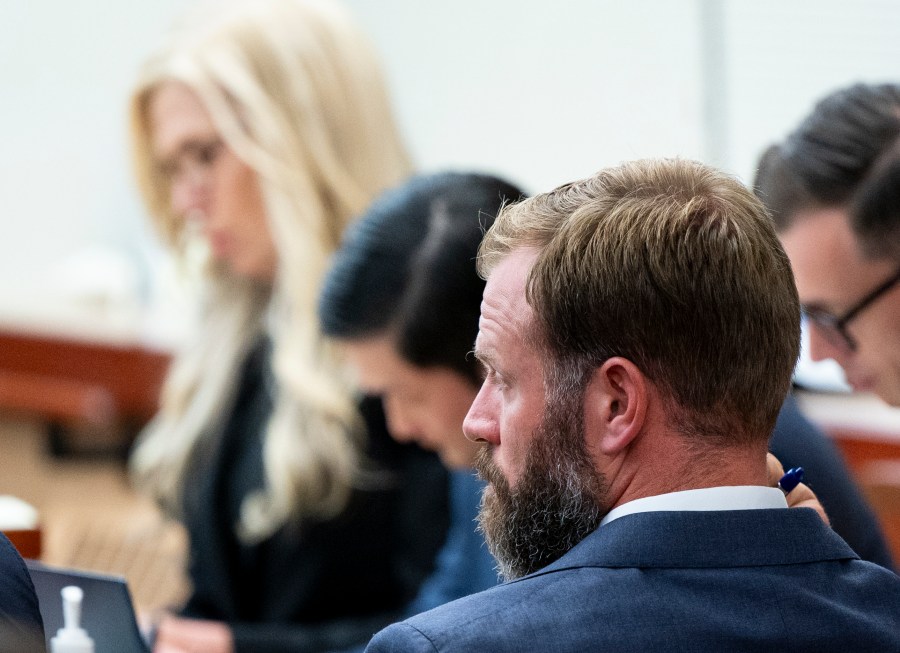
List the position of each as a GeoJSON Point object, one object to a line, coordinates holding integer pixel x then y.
{"type": "Point", "coordinates": [107, 613]}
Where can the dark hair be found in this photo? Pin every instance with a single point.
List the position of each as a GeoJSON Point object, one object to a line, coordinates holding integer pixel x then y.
{"type": "Point", "coordinates": [845, 153]}
{"type": "Point", "coordinates": [407, 268]}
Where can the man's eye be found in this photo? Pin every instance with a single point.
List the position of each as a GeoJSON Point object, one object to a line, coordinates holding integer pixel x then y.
{"type": "Point", "coordinates": [495, 378]}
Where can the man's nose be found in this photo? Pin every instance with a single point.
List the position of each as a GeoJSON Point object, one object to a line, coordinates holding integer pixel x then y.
{"type": "Point", "coordinates": [821, 347]}
{"type": "Point", "coordinates": [481, 423]}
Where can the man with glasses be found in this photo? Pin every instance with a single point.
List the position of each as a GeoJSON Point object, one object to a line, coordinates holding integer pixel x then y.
{"type": "Point", "coordinates": [833, 187]}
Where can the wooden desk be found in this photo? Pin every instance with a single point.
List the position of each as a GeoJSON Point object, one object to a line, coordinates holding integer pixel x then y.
{"type": "Point", "coordinates": [79, 385]}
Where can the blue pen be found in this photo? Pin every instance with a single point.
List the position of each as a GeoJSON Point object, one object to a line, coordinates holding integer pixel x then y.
{"type": "Point", "coordinates": [791, 479]}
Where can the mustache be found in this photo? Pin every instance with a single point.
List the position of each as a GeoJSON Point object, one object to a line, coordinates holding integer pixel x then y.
{"type": "Point", "coordinates": [486, 468]}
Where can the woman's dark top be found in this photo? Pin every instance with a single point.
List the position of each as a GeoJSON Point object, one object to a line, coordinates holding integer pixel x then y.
{"type": "Point", "coordinates": [313, 585]}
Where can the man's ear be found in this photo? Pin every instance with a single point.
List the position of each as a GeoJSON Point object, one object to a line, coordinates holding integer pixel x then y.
{"type": "Point", "coordinates": [616, 404]}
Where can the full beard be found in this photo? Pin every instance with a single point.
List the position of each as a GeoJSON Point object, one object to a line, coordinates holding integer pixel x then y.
{"type": "Point", "coordinates": [558, 500]}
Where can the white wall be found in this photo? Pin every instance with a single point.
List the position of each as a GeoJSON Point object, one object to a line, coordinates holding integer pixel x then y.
{"type": "Point", "coordinates": [541, 92]}
{"type": "Point", "coordinates": [65, 68]}
{"type": "Point", "coordinates": [782, 56]}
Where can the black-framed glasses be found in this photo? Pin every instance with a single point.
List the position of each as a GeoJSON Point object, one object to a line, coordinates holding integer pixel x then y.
{"type": "Point", "coordinates": [834, 327]}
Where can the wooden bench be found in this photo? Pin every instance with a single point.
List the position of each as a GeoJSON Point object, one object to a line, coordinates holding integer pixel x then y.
{"type": "Point", "coordinates": [81, 386]}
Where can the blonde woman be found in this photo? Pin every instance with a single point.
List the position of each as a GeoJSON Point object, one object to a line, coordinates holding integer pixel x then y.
{"type": "Point", "coordinates": [259, 133]}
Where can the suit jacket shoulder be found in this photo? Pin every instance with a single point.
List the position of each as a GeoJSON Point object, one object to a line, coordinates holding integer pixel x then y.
{"type": "Point", "coordinates": [755, 580]}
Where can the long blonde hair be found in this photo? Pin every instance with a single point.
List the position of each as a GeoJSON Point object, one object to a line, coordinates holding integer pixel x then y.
{"type": "Point", "coordinates": [295, 91]}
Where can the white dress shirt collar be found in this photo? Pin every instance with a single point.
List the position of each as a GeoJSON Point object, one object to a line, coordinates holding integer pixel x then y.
{"type": "Point", "coordinates": [740, 497]}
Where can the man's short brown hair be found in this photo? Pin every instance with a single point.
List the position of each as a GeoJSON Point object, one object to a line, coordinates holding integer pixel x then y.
{"type": "Point", "coordinates": [674, 266]}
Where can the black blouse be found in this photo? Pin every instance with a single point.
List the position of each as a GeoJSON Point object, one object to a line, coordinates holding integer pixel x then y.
{"type": "Point", "coordinates": [313, 585]}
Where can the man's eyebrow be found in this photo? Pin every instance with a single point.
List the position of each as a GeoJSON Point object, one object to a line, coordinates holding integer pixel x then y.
{"type": "Point", "coordinates": [482, 356]}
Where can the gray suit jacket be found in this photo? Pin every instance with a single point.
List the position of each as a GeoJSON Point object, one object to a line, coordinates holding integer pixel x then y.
{"type": "Point", "coordinates": [744, 580]}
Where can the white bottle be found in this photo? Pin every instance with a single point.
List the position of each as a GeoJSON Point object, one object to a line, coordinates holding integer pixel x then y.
{"type": "Point", "coordinates": [72, 638]}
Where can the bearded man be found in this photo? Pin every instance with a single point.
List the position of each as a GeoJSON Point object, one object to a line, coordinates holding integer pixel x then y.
{"type": "Point", "coordinates": [638, 333]}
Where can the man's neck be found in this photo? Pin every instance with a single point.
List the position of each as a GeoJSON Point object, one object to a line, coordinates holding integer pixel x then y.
{"type": "Point", "coordinates": [660, 465]}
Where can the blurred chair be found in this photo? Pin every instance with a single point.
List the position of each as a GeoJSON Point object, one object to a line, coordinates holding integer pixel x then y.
{"type": "Point", "coordinates": [20, 523]}
{"type": "Point", "coordinates": [27, 541]}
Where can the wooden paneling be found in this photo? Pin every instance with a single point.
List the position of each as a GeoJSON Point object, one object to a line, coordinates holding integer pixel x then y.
{"type": "Point", "coordinates": [78, 383]}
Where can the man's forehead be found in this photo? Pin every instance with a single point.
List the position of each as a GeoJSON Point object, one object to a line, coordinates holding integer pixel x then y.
{"type": "Point", "coordinates": [828, 264]}
{"type": "Point", "coordinates": [825, 232]}
{"type": "Point", "coordinates": [504, 308]}
{"type": "Point", "coordinates": [504, 292]}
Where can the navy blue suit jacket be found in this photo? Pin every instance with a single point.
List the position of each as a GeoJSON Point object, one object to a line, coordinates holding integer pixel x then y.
{"type": "Point", "coordinates": [21, 626]}
{"type": "Point", "coordinates": [744, 580]}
